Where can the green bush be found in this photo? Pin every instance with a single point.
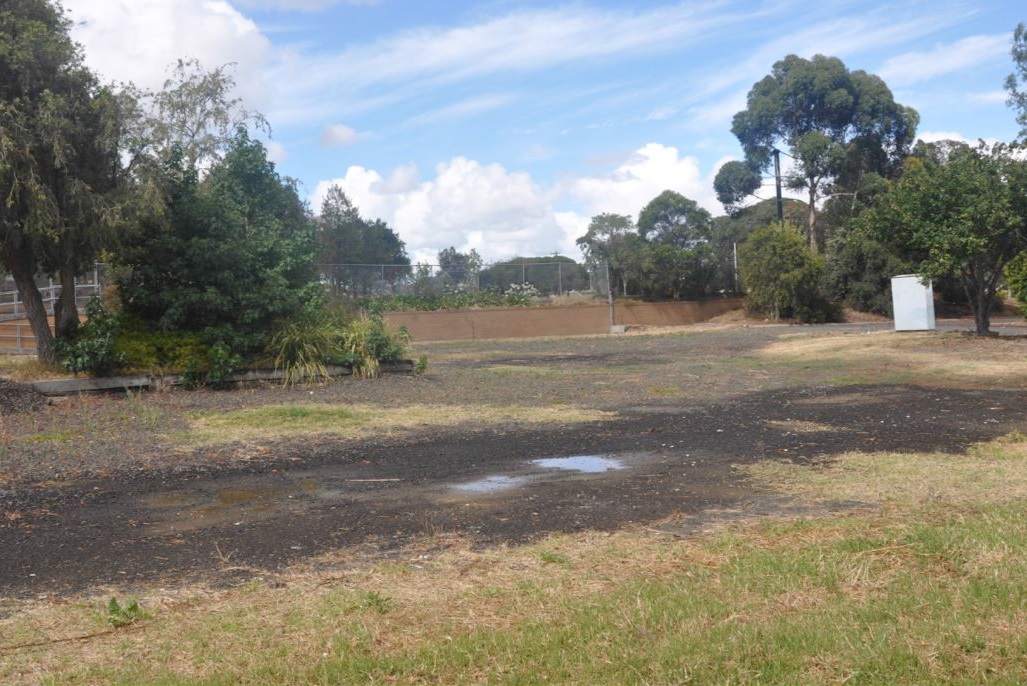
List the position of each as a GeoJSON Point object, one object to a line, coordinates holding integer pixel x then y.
{"type": "Point", "coordinates": [303, 347]}
{"type": "Point", "coordinates": [149, 350]}
{"type": "Point", "coordinates": [93, 350]}
{"type": "Point", "coordinates": [782, 275]}
{"type": "Point", "coordinates": [859, 271]}
{"type": "Point", "coordinates": [369, 341]}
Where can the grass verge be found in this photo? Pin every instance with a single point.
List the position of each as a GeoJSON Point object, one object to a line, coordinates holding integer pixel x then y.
{"type": "Point", "coordinates": [928, 588]}
{"type": "Point", "coordinates": [277, 421]}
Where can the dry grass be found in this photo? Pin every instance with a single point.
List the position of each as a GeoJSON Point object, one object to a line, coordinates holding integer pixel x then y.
{"type": "Point", "coordinates": [278, 421]}
{"type": "Point", "coordinates": [991, 472]}
{"type": "Point", "coordinates": [917, 592]}
{"type": "Point", "coordinates": [945, 359]}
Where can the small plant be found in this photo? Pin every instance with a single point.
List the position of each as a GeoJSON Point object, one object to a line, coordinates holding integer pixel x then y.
{"type": "Point", "coordinates": [214, 372]}
{"type": "Point", "coordinates": [422, 365]}
{"type": "Point", "coordinates": [301, 348]}
{"type": "Point", "coordinates": [369, 341]}
{"type": "Point", "coordinates": [222, 362]}
{"type": "Point", "coordinates": [94, 349]}
{"type": "Point", "coordinates": [118, 616]}
{"type": "Point", "coordinates": [373, 600]}
{"type": "Point", "coordinates": [553, 558]}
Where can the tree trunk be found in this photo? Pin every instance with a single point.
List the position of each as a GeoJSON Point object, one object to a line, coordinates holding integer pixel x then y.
{"type": "Point", "coordinates": [980, 299]}
{"type": "Point", "coordinates": [65, 309]}
{"type": "Point", "coordinates": [19, 265]}
{"type": "Point", "coordinates": [814, 239]}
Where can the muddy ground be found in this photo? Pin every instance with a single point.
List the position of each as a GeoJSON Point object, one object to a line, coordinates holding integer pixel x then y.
{"type": "Point", "coordinates": [95, 491]}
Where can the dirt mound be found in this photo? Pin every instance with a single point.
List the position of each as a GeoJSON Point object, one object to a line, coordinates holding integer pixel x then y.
{"type": "Point", "coordinates": [16, 397]}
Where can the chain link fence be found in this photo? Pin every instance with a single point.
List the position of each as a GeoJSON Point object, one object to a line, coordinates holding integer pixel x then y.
{"type": "Point", "coordinates": [539, 278]}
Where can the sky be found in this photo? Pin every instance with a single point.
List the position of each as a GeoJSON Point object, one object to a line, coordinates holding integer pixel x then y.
{"type": "Point", "coordinates": [505, 125]}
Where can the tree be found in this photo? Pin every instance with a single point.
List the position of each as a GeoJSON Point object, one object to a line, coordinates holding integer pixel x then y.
{"type": "Point", "coordinates": [672, 219]}
{"type": "Point", "coordinates": [349, 242]}
{"type": "Point", "coordinates": [58, 157]}
{"type": "Point", "coordinates": [837, 125]}
{"type": "Point", "coordinates": [782, 274]}
{"type": "Point", "coordinates": [1016, 83]}
{"type": "Point", "coordinates": [612, 240]}
{"type": "Point", "coordinates": [964, 210]}
{"type": "Point", "coordinates": [459, 267]}
{"type": "Point", "coordinates": [734, 184]}
{"type": "Point", "coordinates": [231, 255]}
{"type": "Point", "coordinates": [548, 274]}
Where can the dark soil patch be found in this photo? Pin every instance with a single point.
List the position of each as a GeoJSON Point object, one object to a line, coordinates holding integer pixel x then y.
{"type": "Point", "coordinates": [172, 523]}
{"type": "Point", "coordinates": [16, 398]}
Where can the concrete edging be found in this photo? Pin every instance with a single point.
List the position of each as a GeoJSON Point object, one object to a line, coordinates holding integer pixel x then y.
{"type": "Point", "coordinates": [147, 381]}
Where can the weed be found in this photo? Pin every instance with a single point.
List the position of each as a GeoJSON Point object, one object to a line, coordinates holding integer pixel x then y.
{"type": "Point", "coordinates": [373, 600]}
{"type": "Point", "coordinates": [118, 616]}
{"type": "Point", "coordinates": [553, 558]}
{"type": "Point", "coordinates": [422, 365]}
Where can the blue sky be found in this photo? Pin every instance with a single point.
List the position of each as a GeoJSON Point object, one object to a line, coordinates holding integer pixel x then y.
{"type": "Point", "coordinates": [504, 126]}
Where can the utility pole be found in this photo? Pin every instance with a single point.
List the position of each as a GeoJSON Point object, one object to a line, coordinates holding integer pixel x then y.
{"type": "Point", "coordinates": [777, 183]}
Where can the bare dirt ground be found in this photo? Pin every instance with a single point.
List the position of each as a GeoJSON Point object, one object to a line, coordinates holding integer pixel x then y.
{"type": "Point", "coordinates": [100, 491]}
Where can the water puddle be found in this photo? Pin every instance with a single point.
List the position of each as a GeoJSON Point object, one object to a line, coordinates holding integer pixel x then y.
{"type": "Point", "coordinates": [589, 464]}
{"type": "Point", "coordinates": [541, 470]}
{"type": "Point", "coordinates": [490, 484]}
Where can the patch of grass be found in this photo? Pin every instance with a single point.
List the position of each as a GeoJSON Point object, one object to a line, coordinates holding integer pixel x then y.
{"type": "Point", "coordinates": [922, 591]}
{"type": "Point", "coordinates": [889, 357]}
{"type": "Point", "coordinates": [50, 437]}
{"type": "Point", "coordinates": [360, 420]}
{"type": "Point", "coordinates": [663, 391]}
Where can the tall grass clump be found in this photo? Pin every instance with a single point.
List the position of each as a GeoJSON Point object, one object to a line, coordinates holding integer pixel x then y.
{"type": "Point", "coordinates": [304, 347]}
{"type": "Point", "coordinates": [369, 340]}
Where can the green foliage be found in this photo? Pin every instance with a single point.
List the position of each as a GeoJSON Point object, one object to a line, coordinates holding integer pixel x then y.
{"type": "Point", "coordinates": [301, 348]}
{"type": "Point", "coordinates": [443, 301]}
{"type": "Point", "coordinates": [672, 219]}
{"type": "Point", "coordinates": [59, 156]}
{"type": "Point", "coordinates": [1016, 277]}
{"type": "Point", "coordinates": [1016, 83]}
{"type": "Point", "coordinates": [118, 616]}
{"type": "Point", "coordinates": [94, 349]}
{"type": "Point", "coordinates": [963, 211]}
{"type": "Point", "coordinates": [735, 183]}
{"type": "Point", "coordinates": [230, 256]}
{"type": "Point", "coordinates": [837, 124]}
{"type": "Point", "coordinates": [149, 350]}
{"type": "Point", "coordinates": [549, 274]}
{"type": "Point", "coordinates": [782, 275]}
{"type": "Point", "coordinates": [422, 365]}
{"type": "Point", "coordinates": [859, 271]}
{"type": "Point", "coordinates": [369, 341]}
{"type": "Point", "coordinates": [345, 239]}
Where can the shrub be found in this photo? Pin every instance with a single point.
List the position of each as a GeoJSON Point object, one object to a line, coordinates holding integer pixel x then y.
{"type": "Point", "coordinates": [370, 340]}
{"type": "Point", "coordinates": [302, 347]}
{"type": "Point", "coordinates": [146, 349]}
{"type": "Point", "coordinates": [93, 350]}
{"type": "Point", "coordinates": [859, 271]}
{"type": "Point", "coordinates": [783, 276]}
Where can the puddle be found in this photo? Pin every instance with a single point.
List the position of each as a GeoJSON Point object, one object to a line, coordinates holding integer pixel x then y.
{"type": "Point", "coordinates": [490, 484]}
{"type": "Point", "coordinates": [589, 464]}
{"type": "Point", "coordinates": [541, 470]}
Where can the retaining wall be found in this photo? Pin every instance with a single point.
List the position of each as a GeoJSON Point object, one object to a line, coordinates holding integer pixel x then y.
{"type": "Point", "coordinates": [574, 320]}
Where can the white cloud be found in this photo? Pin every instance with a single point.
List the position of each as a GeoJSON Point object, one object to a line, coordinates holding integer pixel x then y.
{"type": "Point", "coordinates": [130, 40]}
{"type": "Point", "coordinates": [467, 205]}
{"type": "Point", "coordinates": [303, 5]}
{"type": "Point", "coordinates": [912, 67]}
{"type": "Point", "coordinates": [522, 41]}
{"type": "Point", "coordinates": [276, 152]}
{"type": "Point", "coordinates": [460, 110]}
{"type": "Point", "coordinates": [653, 169]}
{"type": "Point", "coordinates": [337, 135]}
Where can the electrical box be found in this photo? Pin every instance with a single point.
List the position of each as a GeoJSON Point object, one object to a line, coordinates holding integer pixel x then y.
{"type": "Point", "coordinates": [913, 303]}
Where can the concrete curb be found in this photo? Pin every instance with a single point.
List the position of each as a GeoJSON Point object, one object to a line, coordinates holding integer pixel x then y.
{"type": "Point", "coordinates": [147, 381]}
